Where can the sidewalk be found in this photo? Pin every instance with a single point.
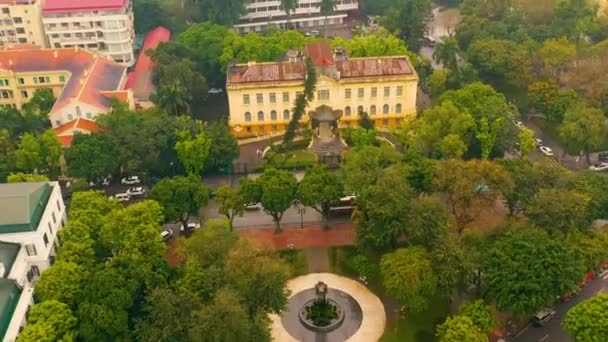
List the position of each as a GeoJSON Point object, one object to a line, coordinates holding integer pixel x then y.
{"type": "Point", "coordinates": [340, 234]}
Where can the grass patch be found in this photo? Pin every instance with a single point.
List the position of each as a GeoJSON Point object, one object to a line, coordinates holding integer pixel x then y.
{"type": "Point", "coordinates": [415, 327]}
{"type": "Point", "coordinates": [295, 159]}
{"type": "Point", "coordinates": [296, 258]}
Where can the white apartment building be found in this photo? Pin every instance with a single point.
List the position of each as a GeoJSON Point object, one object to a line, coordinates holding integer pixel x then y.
{"type": "Point", "coordinates": [105, 26]}
{"type": "Point", "coordinates": [262, 13]}
{"type": "Point", "coordinates": [21, 22]}
{"type": "Point", "coordinates": [31, 214]}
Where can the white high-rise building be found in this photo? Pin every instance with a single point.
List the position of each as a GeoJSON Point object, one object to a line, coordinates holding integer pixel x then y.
{"type": "Point", "coordinates": [262, 13]}
{"type": "Point", "coordinates": [105, 26]}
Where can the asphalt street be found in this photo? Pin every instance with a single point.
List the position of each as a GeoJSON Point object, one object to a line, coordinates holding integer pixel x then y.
{"type": "Point", "coordinates": [553, 332]}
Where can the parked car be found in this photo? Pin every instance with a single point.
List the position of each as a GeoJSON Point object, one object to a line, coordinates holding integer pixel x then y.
{"type": "Point", "coordinates": [137, 191]}
{"type": "Point", "coordinates": [603, 157]}
{"type": "Point", "coordinates": [539, 141]}
{"type": "Point", "coordinates": [122, 197]}
{"type": "Point", "coordinates": [599, 167]}
{"type": "Point", "coordinates": [166, 234]}
{"type": "Point", "coordinates": [104, 182]}
{"type": "Point", "coordinates": [543, 317]}
{"type": "Point", "coordinates": [253, 206]}
{"type": "Point", "coordinates": [189, 226]}
{"type": "Point", "coordinates": [546, 150]}
{"type": "Point", "coordinates": [314, 33]}
{"type": "Point", "coordinates": [216, 91]}
{"type": "Point", "coordinates": [131, 180]}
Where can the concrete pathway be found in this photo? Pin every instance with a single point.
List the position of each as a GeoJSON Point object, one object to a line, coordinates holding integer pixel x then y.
{"type": "Point", "coordinates": [318, 261]}
{"type": "Point", "coordinates": [374, 318]}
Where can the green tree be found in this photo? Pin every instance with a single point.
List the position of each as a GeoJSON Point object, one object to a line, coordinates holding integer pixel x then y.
{"type": "Point", "coordinates": [28, 156]}
{"type": "Point", "coordinates": [148, 15]}
{"type": "Point", "coordinates": [557, 210]}
{"type": "Point", "coordinates": [221, 12]}
{"type": "Point", "coordinates": [365, 121]}
{"type": "Point", "coordinates": [231, 202]}
{"type": "Point", "coordinates": [50, 148]}
{"type": "Point", "coordinates": [53, 318]}
{"type": "Point", "coordinates": [525, 270]}
{"type": "Point", "coordinates": [446, 53]}
{"type": "Point", "coordinates": [62, 282]}
{"type": "Point", "coordinates": [180, 87]}
{"type": "Point", "coordinates": [408, 277]}
{"type": "Point", "coordinates": [77, 246]}
{"type": "Point", "coordinates": [492, 57]}
{"type": "Point", "coordinates": [168, 316]}
{"type": "Point", "coordinates": [409, 18]}
{"type": "Point", "coordinates": [278, 190]}
{"type": "Point", "coordinates": [289, 6]}
{"type": "Point", "coordinates": [224, 147]}
{"type": "Point", "coordinates": [481, 314]}
{"type": "Point", "coordinates": [486, 135]}
{"type": "Point", "coordinates": [583, 128]}
{"type": "Point", "coordinates": [526, 141]}
{"type": "Point", "coordinates": [588, 320]}
{"type": "Point", "coordinates": [259, 276]}
{"type": "Point", "coordinates": [556, 54]}
{"type": "Point", "coordinates": [180, 198]}
{"type": "Point", "coordinates": [362, 167]}
{"type": "Point", "coordinates": [210, 246]}
{"type": "Point", "coordinates": [301, 102]}
{"type": "Point", "coordinates": [428, 222]}
{"type": "Point", "coordinates": [360, 137]}
{"type": "Point", "coordinates": [460, 329]}
{"type": "Point", "coordinates": [25, 177]}
{"type": "Point", "coordinates": [92, 156]}
{"type": "Point", "coordinates": [469, 187]}
{"type": "Point", "coordinates": [319, 189]}
{"type": "Point", "coordinates": [587, 248]}
{"type": "Point", "coordinates": [379, 43]}
{"type": "Point", "coordinates": [327, 8]}
{"type": "Point", "coordinates": [173, 97]}
{"type": "Point", "coordinates": [595, 186]}
{"type": "Point", "coordinates": [437, 82]}
{"type": "Point", "coordinates": [193, 151]}
{"type": "Point", "coordinates": [41, 103]}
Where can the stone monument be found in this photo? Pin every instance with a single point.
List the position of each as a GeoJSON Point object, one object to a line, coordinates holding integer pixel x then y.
{"type": "Point", "coordinates": [326, 141]}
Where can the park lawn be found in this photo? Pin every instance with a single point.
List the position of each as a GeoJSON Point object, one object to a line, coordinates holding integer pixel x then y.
{"type": "Point", "coordinates": [416, 327]}
{"type": "Point", "coordinates": [296, 159]}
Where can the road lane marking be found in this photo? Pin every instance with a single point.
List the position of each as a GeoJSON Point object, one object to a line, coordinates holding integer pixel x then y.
{"type": "Point", "coordinates": [605, 276]}
{"type": "Point", "coordinates": [544, 338]}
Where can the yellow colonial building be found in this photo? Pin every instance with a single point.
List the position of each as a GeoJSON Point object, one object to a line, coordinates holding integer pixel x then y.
{"type": "Point", "coordinates": [261, 95]}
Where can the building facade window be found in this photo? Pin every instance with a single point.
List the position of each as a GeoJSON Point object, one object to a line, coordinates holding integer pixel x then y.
{"type": "Point", "coordinates": [385, 109]}
{"type": "Point", "coordinates": [273, 115]}
{"type": "Point", "coordinates": [50, 228]}
{"type": "Point", "coordinates": [260, 116]}
{"type": "Point", "coordinates": [259, 98]}
{"type": "Point", "coordinates": [58, 205]}
{"type": "Point", "coordinates": [246, 99]}
{"type": "Point", "coordinates": [374, 92]}
{"type": "Point", "coordinates": [89, 116]}
{"type": "Point", "coordinates": [31, 249]}
{"type": "Point", "coordinates": [323, 95]}
{"type": "Point", "coordinates": [247, 116]}
{"type": "Point", "coordinates": [78, 111]}
{"type": "Point", "coordinates": [57, 123]}
{"type": "Point", "coordinates": [54, 217]}
{"type": "Point", "coordinates": [45, 238]}
{"type": "Point", "coordinates": [347, 111]}
{"type": "Point", "coordinates": [285, 97]}
{"type": "Point", "coordinates": [359, 109]}
{"type": "Point", "coordinates": [399, 90]}
{"type": "Point", "coordinates": [61, 78]}
{"type": "Point", "coordinates": [70, 117]}
{"type": "Point", "coordinates": [347, 93]}
{"type": "Point", "coordinates": [21, 80]}
{"type": "Point", "coordinates": [398, 108]}
{"type": "Point", "coordinates": [360, 92]}
{"type": "Point", "coordinates": [387, 91]}
{"type": "Point", "coordinates": [372, 110]}
{"type": "Point", "coordinates": [24, 94]}
{"type": "Point", "coordinates": [35, 271]}
{"type": "Point", "coordinates": [286, 114]}
{"type": "Point", "coordinates": [273, 97]}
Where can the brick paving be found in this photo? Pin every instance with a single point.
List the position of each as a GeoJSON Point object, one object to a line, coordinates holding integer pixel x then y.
{"type": "Point", "coordinates": [340, 234]}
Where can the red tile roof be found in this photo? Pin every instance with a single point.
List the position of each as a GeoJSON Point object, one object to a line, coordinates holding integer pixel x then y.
{"type": "Point", "coordinates": [65, 132]}
{"type": "Point", "coordinates": [60, 6]}
{"type": "Point", "coordinates": [140, 79]}
{"type": "Point", "coordinates": [373, 67]}
{"type": "Point", "coordinates": [320, 53]}
{"type": "Point", "coordinates": [266, 72]}
{"type": "Point", "coordinates": [91, 74]}
{"type": "Point", "coordinates": [17, 1]}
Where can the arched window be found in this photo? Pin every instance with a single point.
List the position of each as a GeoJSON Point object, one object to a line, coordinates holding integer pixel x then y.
{"type": "Point", "coordinates": [360, 109]}
{"type": "Point", "coordinates": [286, 114]}
{"type": "Point", "coordinates": [78, 111]}
{"type": "Point", "coordinates": [347, 111]}
{"type": "Point", "coordinates": [398, 108]}
{"type": "Point", "coordinates": [260, 116]}
{"type": "Point", "coordinates": [247, 116]}
{"type": "Point", "coordinates": [273, 115]}
{"type": "Point", "coordinates": [372, 110]}
{"type": "Point", "coordinates": [385, 109]}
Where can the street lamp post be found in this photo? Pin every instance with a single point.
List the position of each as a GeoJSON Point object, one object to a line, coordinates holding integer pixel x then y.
{"type": "Point", "coordinates": [301, 211]}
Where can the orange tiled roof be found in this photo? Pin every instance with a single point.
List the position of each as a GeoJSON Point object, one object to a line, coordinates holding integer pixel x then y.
{"type": "Point", "coordinates": [65, 132]}
{"type": "Point", "coordinates": [91, 74]}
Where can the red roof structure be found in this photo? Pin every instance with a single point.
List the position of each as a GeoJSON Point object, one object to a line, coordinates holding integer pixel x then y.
{"type": "Point", "coordinates": [61, 6]}
{"type": "Point", "coordinates": [320, 53]}
{"type": "Point", "coordinates": [66, 132]}
{"type": "Point", "coordinates": [140, 79]}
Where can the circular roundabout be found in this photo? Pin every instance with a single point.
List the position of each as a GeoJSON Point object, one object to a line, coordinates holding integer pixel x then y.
{"type": "Point", "coordinates": [331, 308]}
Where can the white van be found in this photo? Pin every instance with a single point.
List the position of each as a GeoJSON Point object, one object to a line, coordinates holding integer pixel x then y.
{"type": "Point", "coordinates": [122, 197]}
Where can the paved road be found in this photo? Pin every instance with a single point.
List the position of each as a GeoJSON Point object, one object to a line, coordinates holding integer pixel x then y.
{"type": "Point", "coordinates": [553, 331]}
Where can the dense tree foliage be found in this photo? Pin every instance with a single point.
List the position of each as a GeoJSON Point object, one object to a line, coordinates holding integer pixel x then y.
{"type": "Point", "coordinates": [588, 320]}
{"type": "Point", "coordinates": [180, 197]}
{"type": "Point", "coordinates": [319, 189]}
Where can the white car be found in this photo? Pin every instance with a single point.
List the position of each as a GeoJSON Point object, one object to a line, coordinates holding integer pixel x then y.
{"type": "Point", "coordinates": [122, 197]}
{"type": "Point", "coordinates": [215, 91]}
{"type": "Point", "coordinates": [136, 191]}
{"type": "Point", "coordinates": [132, 180]}
{"type": "Point", "coordinates": [314, 33]}
{"type": "Point", "coordinates": [546, 151]}
{"type": "Point", "coordinates": [599, 167]}
{"type": "Point", "coordinates": [190, 226]}
{"type": "Point", "coordinates": [519, 124]}
{"type": "Point", "coordinates": [104, 182]}
{"type": "Point", "coordinates": [538, 141]}
{"type": "Point", "coordinates": [253, 206]}
{"type": "Point", "coordinates": [166, 234]}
